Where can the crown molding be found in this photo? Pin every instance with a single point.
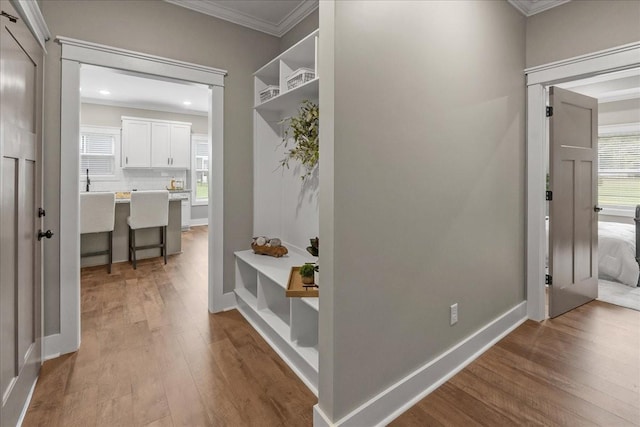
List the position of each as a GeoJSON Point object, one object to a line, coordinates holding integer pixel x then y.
{"type": "Point", "coordinates": [529, 8]}
{"type": "Point", "coordinates": [32, 15]}
{"type": "Point", "coordinates": [211, 8]}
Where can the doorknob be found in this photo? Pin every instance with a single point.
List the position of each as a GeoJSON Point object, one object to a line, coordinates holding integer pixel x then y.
{"type": "Point", "coordinates": [597, 208]}
{"type": "Point", "coordinates": [48, 234]}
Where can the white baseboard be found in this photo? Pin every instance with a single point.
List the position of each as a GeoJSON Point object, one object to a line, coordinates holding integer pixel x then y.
{"type": "Point", "coordinates": [199, 221]}
{"type": "Point", "coordinates": [229, 301]}
{"type": "Point", "coordinates": [398, 398]}
{"type": "Point", "coordinates": [26, 404]}
{"type": "Point", "coordinates": [51, 346]}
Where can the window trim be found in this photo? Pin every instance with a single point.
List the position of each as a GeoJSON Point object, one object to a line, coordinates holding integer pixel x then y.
{"type": "Point", "coordinates": [195, 139]}
{"type": "Point", "coordinates": [109, 130]}
{"type": "Point", "coordinates": [611, 130]}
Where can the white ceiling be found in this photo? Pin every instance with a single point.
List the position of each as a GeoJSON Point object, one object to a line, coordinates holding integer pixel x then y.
{"type": "Point", "coordinates": [618, 86]}
{"type": "Point", "coordinates": [135, 91]}
{"type": "Point", "coordinates": [274, 17]}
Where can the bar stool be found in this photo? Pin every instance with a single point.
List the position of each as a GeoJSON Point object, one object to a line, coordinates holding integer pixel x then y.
{"type": "Point", "coordinates": [148, 209]}
{"type": "Point", "coordinates": [97, 215]}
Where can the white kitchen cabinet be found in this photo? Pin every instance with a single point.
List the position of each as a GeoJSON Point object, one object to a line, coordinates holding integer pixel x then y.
{"type": "Point", "coordinates": [136, 143]}
{"type": "Point", "coordinates": [180, 145]}
{"type": "Point", "coordinates": [149, 143]}
{"type": "Point", "coordinates": [186, 212]}
{"type": "Point", "coordinates": [160, 145]}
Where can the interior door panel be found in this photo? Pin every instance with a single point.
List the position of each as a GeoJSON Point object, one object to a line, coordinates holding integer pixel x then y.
{"type": "Point", "coordinates": [573, 224]}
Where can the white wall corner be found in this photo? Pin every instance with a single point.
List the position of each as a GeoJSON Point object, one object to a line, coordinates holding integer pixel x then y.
{"type": "Point", "coordinates": [395, 400]}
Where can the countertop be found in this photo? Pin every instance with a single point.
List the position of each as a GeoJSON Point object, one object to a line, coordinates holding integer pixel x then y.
{"type": "Point", "coordinates": [174, 195]}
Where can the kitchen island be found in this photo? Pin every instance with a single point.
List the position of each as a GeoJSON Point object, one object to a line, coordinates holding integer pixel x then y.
{"type": "Point", "coordinates": [99, 241]}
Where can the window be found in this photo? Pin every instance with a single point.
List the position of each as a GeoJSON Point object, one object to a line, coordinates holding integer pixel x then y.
{"type": "Point", "coordinates": [97, 153]}
{"type": "Point", "coordinates": [619, 169]}
{"type": "Point", "coordinates": [200, 170]}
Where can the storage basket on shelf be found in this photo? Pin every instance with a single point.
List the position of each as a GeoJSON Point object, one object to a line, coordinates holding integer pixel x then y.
{"type": "Point", "coordinates": [269, 92]}
{"type": "Point", "coordinates": [300, 76]}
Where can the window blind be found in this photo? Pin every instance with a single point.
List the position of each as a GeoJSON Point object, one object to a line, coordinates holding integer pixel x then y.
{"type": "Point", "coordinates": [97, 153]}
{"type": "Point", "coordinates": [619, 170]}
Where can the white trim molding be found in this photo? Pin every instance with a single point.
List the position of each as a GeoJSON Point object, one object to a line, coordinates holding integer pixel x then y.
{"type": "Point", "coordinates": [218, 10]}
{"type": "Point", "coordinates": [32, 15]}
{"type": "Point", "coordinates": [392, 402]}
{"type": "Point", "coordinates": [74, 54]}
{"type": "Point", "coordinates": [539, 78]}
{"type": "Point", "coordinates": [109, 56]}
{"type": "Point", "coordinates": [51, 347]}
{"type": "Point", "coordinates": [195, 222]}
{"type": "Point", "coordinates": [589, 65]}
{"type": "Point", "coordinates": [26, 404]}
{"type": "Point", "coordinates": [531, 7]}
{"type": "Point", "coordinates": [619, 129]}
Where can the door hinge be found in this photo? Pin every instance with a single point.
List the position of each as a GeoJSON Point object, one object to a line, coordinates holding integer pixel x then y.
{"type": "Point", "coordinates": [12, 18]}
{"type": "Point", "coordinates": [549, 111]}
{"type": "Point", "coordinates": [41, 213]}
{"type": "Point", "coordinates": [548, 280]}
{"type": "Point", "coordinates": [549, 195]}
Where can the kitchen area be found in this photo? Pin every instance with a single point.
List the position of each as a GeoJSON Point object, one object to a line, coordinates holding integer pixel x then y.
{"type": "Point", "coordinates": [139, 134]}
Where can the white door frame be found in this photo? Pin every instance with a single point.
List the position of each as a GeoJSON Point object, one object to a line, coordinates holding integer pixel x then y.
{"type": "Point", "coordinates": [538, 79]}
{"type": "Point", "coordinates": [75, 53]}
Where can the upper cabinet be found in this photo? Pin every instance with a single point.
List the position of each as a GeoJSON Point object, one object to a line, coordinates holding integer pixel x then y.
{"type": "Point", "coordinates": [136, 143]}
{"type": "Point", "coordinates": [180, 137]}
{"type": "Point", "coordinates": [148, 143]}
{"type": "Point", "coordinates": [292, 76]}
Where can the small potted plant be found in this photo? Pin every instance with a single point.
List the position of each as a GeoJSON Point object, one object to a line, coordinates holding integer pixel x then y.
{"type": "Point", "coordinates": [307, 272]}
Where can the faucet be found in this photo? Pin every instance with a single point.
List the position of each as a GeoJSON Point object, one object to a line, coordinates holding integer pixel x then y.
{"type": "Point", "coordinates": [88, 181]}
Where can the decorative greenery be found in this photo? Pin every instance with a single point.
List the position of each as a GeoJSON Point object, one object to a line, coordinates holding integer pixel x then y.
{"type": "Point", "coordinates": [307, 270]}
{"type": "Point", "coordinates": [303, 128]}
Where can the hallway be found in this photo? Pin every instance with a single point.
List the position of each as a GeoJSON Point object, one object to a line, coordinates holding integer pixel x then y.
{"type": "Point", "coordinates": [152, 355]}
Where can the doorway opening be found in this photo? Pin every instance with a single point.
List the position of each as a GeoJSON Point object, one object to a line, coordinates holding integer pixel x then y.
{"type": "Point", "coordinates": [76, 54]}
{"type": "Point", "coordinates": [538, 79]}
{"type": "Point", "coordinates": [618, 182]}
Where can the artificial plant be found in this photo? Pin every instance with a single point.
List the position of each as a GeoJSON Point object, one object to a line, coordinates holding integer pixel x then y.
{"type": "Point", "coordinates": [303, 129]}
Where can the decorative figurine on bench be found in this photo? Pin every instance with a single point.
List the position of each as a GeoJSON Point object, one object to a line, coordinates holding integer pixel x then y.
{"type": "Point", "coordinates": [315, 246]}
{"type": "Point", "coordinates": [265, 246]}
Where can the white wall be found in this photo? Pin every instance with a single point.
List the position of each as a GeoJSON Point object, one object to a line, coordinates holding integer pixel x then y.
{"type": "Point", "coordinates": [580, 27]}
{"type": "Point", "coordinates": [427, 208]}
{"type": "Point", "coordinates": [302, 29]}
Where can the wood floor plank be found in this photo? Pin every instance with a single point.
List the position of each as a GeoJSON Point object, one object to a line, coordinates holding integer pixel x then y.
{"type": "Point", "coordinates": [152, 355]}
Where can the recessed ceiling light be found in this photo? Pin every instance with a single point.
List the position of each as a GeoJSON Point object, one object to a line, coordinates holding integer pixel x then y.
{"type": "Point", "coordinates": [187, 102]}
{"type": "Point", "coordinates": [105, 92]}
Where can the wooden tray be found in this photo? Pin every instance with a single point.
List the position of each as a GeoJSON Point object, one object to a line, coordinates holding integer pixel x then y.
{"type": "Point", "coordinates": [295, 288]}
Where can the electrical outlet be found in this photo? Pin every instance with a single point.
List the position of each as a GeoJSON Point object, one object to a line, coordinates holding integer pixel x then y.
{"type": "Point", "coordinates": [454, 314]}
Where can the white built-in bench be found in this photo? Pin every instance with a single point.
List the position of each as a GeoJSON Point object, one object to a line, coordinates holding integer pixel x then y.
{"type": "Point", "coordinates": [290, 325]}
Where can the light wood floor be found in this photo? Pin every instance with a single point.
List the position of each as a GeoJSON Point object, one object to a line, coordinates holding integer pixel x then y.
{"type": "Point", "coordinates": [579, 369]}
{"type": "Point", "coordinates": [152, 355]}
